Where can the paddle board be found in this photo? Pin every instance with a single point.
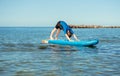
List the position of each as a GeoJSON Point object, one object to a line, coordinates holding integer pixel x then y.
{"type": "Point", "coordinates": [73, 43]}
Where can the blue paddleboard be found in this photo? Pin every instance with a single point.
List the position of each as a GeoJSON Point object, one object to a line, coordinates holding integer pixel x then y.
{"type": "Point", "coordinates": [75, 43]}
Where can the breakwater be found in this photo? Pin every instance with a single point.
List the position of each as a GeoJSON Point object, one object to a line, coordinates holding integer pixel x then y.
{"type": "Point", "coordinates": [92, 26]}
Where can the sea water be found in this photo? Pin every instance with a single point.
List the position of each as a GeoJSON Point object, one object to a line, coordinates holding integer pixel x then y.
{"type": "Point", "coordinates": [23, 54]}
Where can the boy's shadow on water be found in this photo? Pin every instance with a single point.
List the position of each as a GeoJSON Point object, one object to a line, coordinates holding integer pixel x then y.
{"type": "Point", "coordinates": [66, 48]}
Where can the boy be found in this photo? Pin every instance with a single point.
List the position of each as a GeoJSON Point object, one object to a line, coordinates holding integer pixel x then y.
{"type": "Point", "coordinates": [61, 25]}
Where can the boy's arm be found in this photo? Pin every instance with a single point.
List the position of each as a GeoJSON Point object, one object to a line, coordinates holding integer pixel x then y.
{"type": "Point", "coordinates": [67, 37]}
{"type": "Point", "coordinates": [75, 37]}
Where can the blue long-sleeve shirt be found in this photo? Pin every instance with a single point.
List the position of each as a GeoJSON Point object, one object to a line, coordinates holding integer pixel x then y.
{"type": "Point", "coordinates": [63, 25]}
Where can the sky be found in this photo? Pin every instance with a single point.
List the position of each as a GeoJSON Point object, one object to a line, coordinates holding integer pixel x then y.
{"type": "Point", "coordinates": [49, 12]}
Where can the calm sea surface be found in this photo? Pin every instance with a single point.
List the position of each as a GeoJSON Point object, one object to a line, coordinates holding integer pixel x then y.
{"type": "Point", "coordinates": [22, 54]}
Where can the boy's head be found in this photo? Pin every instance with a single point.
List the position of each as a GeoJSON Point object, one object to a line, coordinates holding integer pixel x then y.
{"type": "Point", "coordinates": [69, 33]}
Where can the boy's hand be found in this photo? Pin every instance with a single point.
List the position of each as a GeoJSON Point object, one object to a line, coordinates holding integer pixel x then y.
{"type": "Point", "coordinates": [51, 38]}
{"type": "Point", "coordinates": [71, 40]}
{"type": "Point", "coordinates": [77, 40]}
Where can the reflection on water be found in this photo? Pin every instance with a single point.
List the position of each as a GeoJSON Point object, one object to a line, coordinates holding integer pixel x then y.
{"type": "Point", "coordinates": [21, 54]}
